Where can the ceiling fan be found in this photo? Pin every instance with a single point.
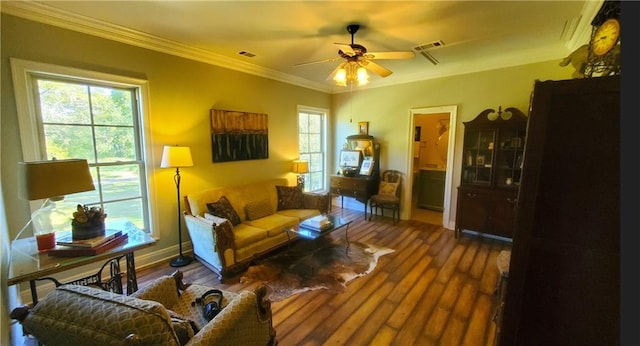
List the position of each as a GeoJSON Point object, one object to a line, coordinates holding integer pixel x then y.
{"type": "Point", "coordinates": [357, 57]}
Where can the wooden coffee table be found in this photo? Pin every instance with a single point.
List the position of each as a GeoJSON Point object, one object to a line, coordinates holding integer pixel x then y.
{"type": "Point", "coordinates": [312, 234]}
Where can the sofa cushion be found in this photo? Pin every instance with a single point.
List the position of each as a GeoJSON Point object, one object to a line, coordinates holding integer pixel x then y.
{"type": "Point", "coordinates": [223, 208]}
{"type": "Point", "coordinates": [289, 197]}
{"type": "Point", "coordinates": [300, 214]}
{"type": "Point", "coordinates": [274, 224]}
{"type": "Point", "coordinates": [246, 234]}
{"type": "Point", "coordinates": [258, 209]}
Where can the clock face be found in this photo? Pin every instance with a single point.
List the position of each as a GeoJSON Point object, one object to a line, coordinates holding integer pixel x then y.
{"type": "Point", "coordinates": [605, 37]}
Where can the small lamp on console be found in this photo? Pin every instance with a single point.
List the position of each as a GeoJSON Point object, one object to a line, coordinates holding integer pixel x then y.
{"type": "Point", "coordinates": [176, 157]}
{"type": "Point", "coordinates": [300, 167]}
{"type": "Point", "coordinates": [51, 180]}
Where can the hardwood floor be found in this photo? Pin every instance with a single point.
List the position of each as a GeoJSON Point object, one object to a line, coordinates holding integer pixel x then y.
{"type": "Point", "coordinates": [433, 290]}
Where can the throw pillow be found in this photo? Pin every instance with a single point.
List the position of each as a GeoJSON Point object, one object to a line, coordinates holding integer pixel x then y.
{"type": "Point", "coordinates": [223, 208]}
{"type": "Point", "coordinates": [258, 209]}
{"type": "Point", "coordinates": [290, 197]}
{"type": "Point", "coordinates": [387, 188]}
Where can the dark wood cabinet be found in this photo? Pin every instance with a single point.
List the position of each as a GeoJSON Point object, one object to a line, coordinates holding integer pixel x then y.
{"type": "Point", "coordinates": [360, 187]}
{"type": "Point", "coordinates": [491, 170]}
{"type": "Point", "coordinates": [564, 278]}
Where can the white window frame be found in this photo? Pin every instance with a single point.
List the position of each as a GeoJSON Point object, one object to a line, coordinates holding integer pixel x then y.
{"type": "Point", "coordinates": [324, 135]}
{"type": "Point", "coordinates": [24, 74]}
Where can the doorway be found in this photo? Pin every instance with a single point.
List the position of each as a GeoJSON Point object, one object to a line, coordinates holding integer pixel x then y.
{"type": "Point", "coordinates": [432, 137]}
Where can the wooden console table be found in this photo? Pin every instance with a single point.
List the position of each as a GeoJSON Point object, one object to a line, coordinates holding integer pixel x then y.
{"type": "Point", "coordinates": [27, 264]}
{"type": "Point", "coordinates": [359, 187]}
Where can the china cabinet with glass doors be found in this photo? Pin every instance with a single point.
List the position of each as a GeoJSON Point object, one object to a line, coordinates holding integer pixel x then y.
{"type": "Point", "coordinates": [493, 153]}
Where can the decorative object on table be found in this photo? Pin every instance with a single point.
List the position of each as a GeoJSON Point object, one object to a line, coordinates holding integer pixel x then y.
{"type": "Point", "coordinates": [350, 159]}
{"type": "Point", "coordinates": [300, 167]}
{"type": "Point", "coordinates": [51, 180]}
{"type": "Point", "coordinates": [311, 265]}
{"type": "Point", "coordinates": [237, 136]}
{"type": "Point", "coordinates": [176, 157]}
{"type": "Point", "coordinates": [363, 128]}
{"type": "Point", "coordinates": [318, 223]}
{"type": "Point", "coordinates": [367, 166]}
{"type": "Point", "coordinates": [604, 47]}
{"type": "Point", "coordinates": [87, 223]}
{"type": "Point", "coordinates": [74, 251]}
{"type": "Point", "coordinates": [67, 239]}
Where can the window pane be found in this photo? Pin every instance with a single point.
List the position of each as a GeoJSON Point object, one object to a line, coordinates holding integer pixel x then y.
{"type": "Point", "coordinates": [315, 143]}
{"type": "Point", "coordinates": [115, 144]}
{"type": "Point", "coordinates": [130, 210]}
{"type": "Point", "coordinates": [69, 142]}
{"type": "Point", "coordinates": [315, 124]}
{"type": "Point", "coordinates": [120, 182]}
{"type": "Point", "coordinates": [111, 106]}
{"type": "Point", "coordinates": [304, 143]}
{"type": "Point", "coordinates": [63, 102]}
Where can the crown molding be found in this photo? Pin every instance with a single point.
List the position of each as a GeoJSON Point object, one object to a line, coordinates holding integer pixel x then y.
{"type": "Point", "coordinates": [42, 13]}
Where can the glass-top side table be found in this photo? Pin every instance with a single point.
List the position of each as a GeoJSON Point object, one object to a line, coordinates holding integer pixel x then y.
{"type": "Point", "coordinates": [27, 264]}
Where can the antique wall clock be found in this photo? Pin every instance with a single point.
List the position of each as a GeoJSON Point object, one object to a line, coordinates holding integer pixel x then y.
{"type": "Point", "coordinates": [604, 47]}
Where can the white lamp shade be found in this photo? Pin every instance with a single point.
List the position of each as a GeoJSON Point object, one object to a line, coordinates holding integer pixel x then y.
{"type": "Point", "coordinates": [45, 179]}
{"type": "Point", "coordinates": [174, 156]}
{"type": "Point", "coordinates": [300, 167]}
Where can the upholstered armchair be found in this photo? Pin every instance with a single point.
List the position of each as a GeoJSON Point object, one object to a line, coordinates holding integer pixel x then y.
{"type": "Point", "coordinates": [163, 313]}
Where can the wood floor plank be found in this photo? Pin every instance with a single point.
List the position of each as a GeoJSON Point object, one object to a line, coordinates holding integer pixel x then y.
{"type": "Point", "coordinates": [435, 289]}
{"type": "Point", "coordinates": [476, 332]}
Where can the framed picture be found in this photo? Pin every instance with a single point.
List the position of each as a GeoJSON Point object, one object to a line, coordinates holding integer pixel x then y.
{"type": "Point", "coordinates": [350, 158]}
{"type": "Point", "coordinates": [367, 167]}
{"type": "Point", "coordinates": [363, 128]}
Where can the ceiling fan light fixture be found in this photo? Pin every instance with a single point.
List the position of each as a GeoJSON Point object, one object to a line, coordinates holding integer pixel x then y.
{"type": "Point", "coordinates": [362, 76]}
{"type": "Point", "coordinates": [341, 77]}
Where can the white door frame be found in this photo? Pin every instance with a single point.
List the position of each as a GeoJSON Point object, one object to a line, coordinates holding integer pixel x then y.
{"type": "Point", "coordinates": [448, 182]}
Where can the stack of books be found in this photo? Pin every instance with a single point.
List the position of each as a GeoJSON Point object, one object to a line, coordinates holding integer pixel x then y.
{"type": "Point", "coordinates": [317, 223]}
{"type": "Point", "coordinates": [67, 247]}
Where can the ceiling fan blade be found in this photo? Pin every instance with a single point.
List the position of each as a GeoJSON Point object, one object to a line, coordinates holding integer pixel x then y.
{"type": "Point", "coordinates": [346, 49]}
{"type": "Point", "coordinates": [317, 61]}
{"type": "Point", "coordinates": [375, 68]}
{"type": "Point", "coordinates": [390, 55]}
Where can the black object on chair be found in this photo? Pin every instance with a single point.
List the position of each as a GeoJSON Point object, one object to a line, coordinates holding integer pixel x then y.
{"type": "Point", "coordinates": [211, 302]}
{"type": "Point", "coordinates": [388, 194]}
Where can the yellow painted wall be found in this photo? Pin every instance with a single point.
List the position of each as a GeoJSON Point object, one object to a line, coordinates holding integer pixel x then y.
{"type": "Point", "coordinates": [181, 94]}
{"type": "Point", "coordinates": [387, 109]}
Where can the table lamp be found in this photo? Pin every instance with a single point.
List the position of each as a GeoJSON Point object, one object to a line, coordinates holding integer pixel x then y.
{"type": "Point", "coordinates": [300, 167]}
{"type": "Point", "coordinates": [51, 180]}
{"type": "Point", "coordinates": [176, 157]}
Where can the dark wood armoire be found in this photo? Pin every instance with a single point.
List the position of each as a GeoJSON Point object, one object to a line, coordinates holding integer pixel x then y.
{"type": "Point", "coordinates": [564, 279]}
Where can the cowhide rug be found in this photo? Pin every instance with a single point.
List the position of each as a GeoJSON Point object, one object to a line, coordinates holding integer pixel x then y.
{"type": "Point", "coordinates": [310, 265]}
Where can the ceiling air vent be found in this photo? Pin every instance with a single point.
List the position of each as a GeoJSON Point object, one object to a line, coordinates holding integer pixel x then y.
{"type": "Point", "coordinates": [247, 54]}
{"type": "Point", "coordinates": [422, 50]}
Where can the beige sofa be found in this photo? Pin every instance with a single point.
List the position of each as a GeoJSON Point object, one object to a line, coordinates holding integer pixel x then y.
{"type": "Point", "coordinates": [161, 313]}
{"type": "Point", "coordinates": [260, 208]}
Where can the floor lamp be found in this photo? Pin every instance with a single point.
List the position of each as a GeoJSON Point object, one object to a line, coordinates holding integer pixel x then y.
{"type": "Point", "coordinates": [176, 157]}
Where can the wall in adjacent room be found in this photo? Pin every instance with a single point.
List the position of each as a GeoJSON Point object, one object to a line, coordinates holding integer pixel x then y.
{"type": "Point", "coordinates": [387, 109]}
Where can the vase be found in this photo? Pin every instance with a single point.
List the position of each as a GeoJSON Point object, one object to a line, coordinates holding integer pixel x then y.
{"type": "Point", "coordinates": [87, 231]}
